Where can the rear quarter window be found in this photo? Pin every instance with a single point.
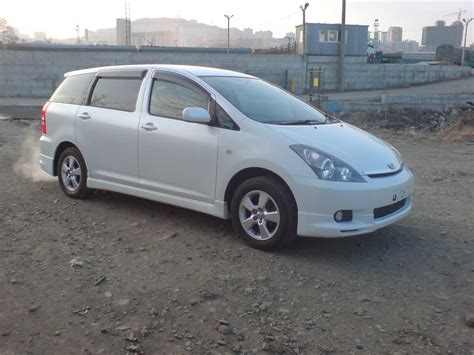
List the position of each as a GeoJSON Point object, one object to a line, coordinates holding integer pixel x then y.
{"type": "Point", "coordinates": [116, 93]}
{"type": "Point", "coordinates": [73, 89]}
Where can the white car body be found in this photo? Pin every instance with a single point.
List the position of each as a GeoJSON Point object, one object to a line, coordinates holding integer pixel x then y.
{"type": "Point", "coordinates": [191, 165]}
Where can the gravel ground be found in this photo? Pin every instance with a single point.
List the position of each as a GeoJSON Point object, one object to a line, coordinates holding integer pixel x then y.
{"type": "Point", "coordinates": [116, 274]}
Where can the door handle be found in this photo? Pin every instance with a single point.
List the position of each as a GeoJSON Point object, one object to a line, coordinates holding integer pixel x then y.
{"type": "Point", "coordinates": [149, 126]}
{"type": "Point", "coordinates": [84, 116]}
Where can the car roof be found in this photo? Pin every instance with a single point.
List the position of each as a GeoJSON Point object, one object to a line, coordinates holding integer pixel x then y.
{"type": "Point", "coordinates": [183, 69]}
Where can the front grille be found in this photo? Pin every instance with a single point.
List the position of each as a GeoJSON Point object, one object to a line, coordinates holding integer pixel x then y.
{"type": "Point", "coordinates": [389, 209]}
{"type": "Point", "coordinates": [388, 173]}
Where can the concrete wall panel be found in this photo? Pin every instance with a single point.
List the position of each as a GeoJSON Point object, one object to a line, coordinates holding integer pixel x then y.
{"type": "Point", "coordinates": [35, 73]}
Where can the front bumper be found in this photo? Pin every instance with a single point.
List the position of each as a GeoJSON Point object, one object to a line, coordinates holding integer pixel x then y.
{"type": "Point", "coordinates": [318, 201]}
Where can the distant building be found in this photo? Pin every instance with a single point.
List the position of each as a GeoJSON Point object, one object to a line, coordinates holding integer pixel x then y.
{"type": "Point", "coordinates": [404, 46]}
{"type": "Point", "coordinates": [177, 32]}
{"type": "Point", "coordinates": [441, 34]}
{"type": "Point", "coordinates": [247, 33]}
{"type": "Point", "coordinates": [383, 37]}
{"type": "Point", "coordinates": [40, 36]}
{"type": "Point", "coordinates": [121, 32]}
{"type": "Point", "coordinates": [395, 34]}
{"type": "Point", "coordinates": [123, 28]}
{"type": "Point", "coordinates": [324, 39]}
{"type": "Point", "coordinates": [264, 35]}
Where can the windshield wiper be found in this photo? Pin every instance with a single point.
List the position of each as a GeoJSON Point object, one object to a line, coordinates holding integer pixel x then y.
{"type": "Point", "coordinates": [331, 119]}
{"type": "Point", "coordinates": [299, 122]}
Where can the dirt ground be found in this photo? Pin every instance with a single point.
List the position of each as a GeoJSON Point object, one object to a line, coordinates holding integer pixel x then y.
{"type": "Point", "coordinates": [116, 274]}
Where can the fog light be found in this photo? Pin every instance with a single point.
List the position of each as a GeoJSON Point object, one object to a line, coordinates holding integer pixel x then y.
{"type": "Point", "coordinates": [343, 216]}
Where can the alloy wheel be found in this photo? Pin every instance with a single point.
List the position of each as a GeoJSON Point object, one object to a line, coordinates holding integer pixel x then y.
{"type": "Point", "coordinates": [259, 215]}
{"type": "Point", "coordinates": [71, 173]}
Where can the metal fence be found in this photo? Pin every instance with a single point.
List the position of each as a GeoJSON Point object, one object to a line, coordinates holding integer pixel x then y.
{"type": "Point", "coordinates": [315, 85]}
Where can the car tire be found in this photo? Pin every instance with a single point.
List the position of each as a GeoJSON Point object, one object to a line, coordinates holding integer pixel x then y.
{"type": "Point", "coordinates": [72, 173]}
{"type": "Point", "coordinates": [264, 213]}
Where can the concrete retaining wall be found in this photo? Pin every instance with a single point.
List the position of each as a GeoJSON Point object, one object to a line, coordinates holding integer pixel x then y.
{"type": "Point", "coordinates": [362, 76]}
{"type": "Point", "coordinates": [421, 102]}
{"type": "Point", "coordinates": [35, 73]}
{"type": "Point", "coordinates": [30, 73]}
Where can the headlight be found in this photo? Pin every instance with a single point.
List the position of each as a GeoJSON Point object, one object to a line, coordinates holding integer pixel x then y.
{"type": "Point", "coordinates": [326, 166]}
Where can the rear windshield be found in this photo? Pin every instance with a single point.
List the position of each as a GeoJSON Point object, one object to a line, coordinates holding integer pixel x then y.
{"type": "Point", "coordinates": [262, 101]}
{"type": "Point", "coordinates": [73, 89]}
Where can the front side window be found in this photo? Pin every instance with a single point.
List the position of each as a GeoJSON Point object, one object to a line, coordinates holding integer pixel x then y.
{"type": "Point", "coordinates": [224, 120]}
{"type": "Point", "coordinates": [262, 101]}
{"type": "Point", "coordinates": [116, 93]}
{"type": "Point", "coordinates": [73, 89]}
{"type": "Point", "coordinates": [169, 99]}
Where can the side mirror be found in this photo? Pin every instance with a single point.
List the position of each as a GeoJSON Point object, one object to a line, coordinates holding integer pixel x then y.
{"type": "Point", "coordinates": [196, 115]}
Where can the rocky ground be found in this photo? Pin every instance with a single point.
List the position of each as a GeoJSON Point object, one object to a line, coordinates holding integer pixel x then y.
{"type": "Point", "coordinates": [116, 274]}
{"type": "Point", "coordinates": [442, 122]}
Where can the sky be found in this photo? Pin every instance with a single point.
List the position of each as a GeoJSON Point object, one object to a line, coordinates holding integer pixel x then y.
{"type": "Point", "coordinates": [58, 18]}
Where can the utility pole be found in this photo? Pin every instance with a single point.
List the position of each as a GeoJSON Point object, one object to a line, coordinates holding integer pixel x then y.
{"type": "Point", "coordinates": [303, 8]}
{"type": "Point", "coordinates": [342, 47]}
{"type": "Point", "coordinates": [78, 35]}
{"type": "Point", "coordinates": [467, 22]}
{"type": "Point", "coordinates": [376, 34]}
{"type": "Point", "coordinates": [228, 17]}
{"type": "Point", "coordinates": [128, 25]}
{"type": "Point", "coordinates": [289, 43]}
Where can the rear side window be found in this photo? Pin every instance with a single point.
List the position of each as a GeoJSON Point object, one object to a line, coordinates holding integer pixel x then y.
{"type": "Point", "coordinates": [116, 93]}
{"type": "Point", "coordinates": [169, 99]}
{"type": "Point", "coordinates": [73, 89]}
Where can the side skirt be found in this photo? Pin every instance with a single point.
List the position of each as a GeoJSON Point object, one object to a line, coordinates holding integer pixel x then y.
{"type": "Point", "coordinates": [219, 209]}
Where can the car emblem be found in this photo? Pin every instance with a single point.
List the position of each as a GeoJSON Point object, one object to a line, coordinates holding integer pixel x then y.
{"type": "Point", "coordinates": [394, 198]}
{"type": "Point", "coordinates": [391, 166]}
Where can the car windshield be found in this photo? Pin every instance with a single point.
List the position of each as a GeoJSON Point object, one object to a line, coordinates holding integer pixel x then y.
{"type": "Point", "coordinates": [264, 102]}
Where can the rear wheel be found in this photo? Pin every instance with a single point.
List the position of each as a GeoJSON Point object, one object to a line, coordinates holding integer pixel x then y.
{"type": "Point", "coordinates": [72, 173]}
{"type": "Point", "coordinates": [264, 213]}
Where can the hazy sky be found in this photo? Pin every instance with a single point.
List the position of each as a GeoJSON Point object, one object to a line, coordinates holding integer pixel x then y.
{"type": "Point", "coordinates": [58, 18]}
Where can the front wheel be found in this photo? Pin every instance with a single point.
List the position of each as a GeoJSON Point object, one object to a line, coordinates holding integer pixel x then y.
{"type": "Point", "coordinates": [264, 213]}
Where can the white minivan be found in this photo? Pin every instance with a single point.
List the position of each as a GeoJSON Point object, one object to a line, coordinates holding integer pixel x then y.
{"type": "Point", "coordinates": [222, 143]}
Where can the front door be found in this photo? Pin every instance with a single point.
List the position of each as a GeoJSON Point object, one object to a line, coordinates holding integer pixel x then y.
{"type": "Point", "coordinates": [177, 157]}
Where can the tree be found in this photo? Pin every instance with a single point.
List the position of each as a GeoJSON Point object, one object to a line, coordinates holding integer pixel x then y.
{"type": "Point", "coordinates": [7, 33]}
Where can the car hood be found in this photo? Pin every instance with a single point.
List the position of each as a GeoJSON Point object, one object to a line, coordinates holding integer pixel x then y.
{"type": "Point", "coordinates": [363, 151]}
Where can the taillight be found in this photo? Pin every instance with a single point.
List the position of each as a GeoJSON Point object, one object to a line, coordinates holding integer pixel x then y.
{"type": "Point", "coordinates": [43, 117]}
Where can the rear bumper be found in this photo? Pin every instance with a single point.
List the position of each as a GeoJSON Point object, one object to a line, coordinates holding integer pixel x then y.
{"type": "Point", "coordinates": [46, 154]}
{"type": "Point", "coordinates": [318, 201]}
{"type": "Point", "coordinates": [47, 164]}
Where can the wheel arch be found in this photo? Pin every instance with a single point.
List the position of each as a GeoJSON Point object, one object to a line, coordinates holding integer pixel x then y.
{"type": "Point", "coordinates": [249, 173]}
{"type": "Point", "coordinates": [61, 147]}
